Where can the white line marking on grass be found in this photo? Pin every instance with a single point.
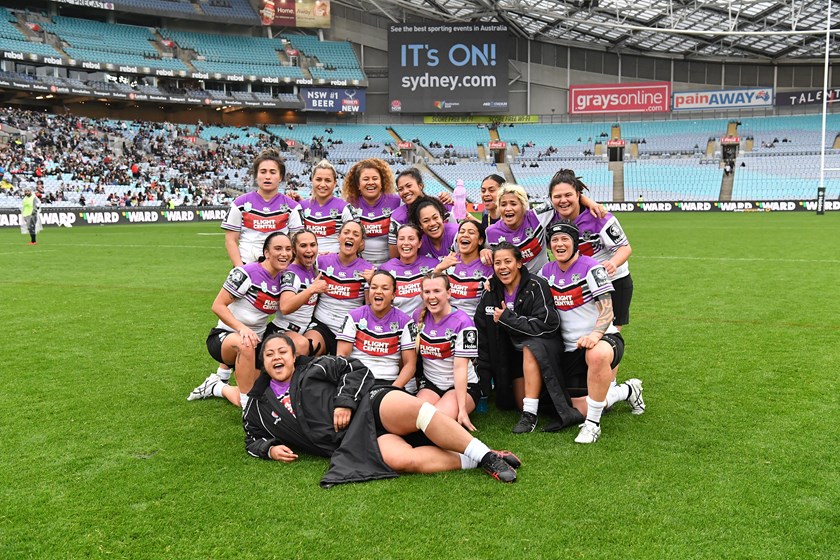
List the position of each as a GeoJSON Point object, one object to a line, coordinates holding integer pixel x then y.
{"type": "Point", "coordinates": [219, 233]}
{"type": "Point", "coordinates": [23, 251]}
{"type": "Point", "coordinates": [139, 246]}
{"type": "Point", "coordinates": [736, 259]}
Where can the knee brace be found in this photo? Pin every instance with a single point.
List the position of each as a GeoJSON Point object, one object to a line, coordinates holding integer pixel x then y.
{"type": "Point", "coordinates": [424, 417]}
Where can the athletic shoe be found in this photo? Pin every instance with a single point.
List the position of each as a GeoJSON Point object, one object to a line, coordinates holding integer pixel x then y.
{"type": "Point", "coordinates": [206, 388]}
{"type": "Point", "coordinates": [636, 401]}
{"type": "Point", "coordinates": [527, 423]}
{"type": "Point", "coordinates": [494, 465]}
{"type": "Point", "coordinates": [509, 458]}
{"type": "Point", "coordinates": [589, 433]}
{"type": "Point", "coordinates": [32, 243]}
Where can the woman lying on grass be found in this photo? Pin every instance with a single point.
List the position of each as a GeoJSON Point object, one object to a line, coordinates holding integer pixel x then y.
{"type": "Point", "coordinates": [328, 406]}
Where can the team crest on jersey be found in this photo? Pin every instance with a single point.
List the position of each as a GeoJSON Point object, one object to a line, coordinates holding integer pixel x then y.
{"type": "Point", "coordinates": [600, 275]}
{"type": "Point", "coordinates": [386, 212]}
{"type": "Point", "coordinates": [448, 333]}
{"type": "Point", "coordinates": [476, 274]}
{"type": "Point", "coordinates": [529, 232]}
{"type": "Point", "coordinates": [470, 340]}
{"type": "Point", "coordinates": [357, 274]}
{"type": "Point", "coordinates": [575, 277]}
{"type": "Point", "coordinates": [237, 277]}
{"type": "Point", "coordinates": [362, 323]}
{"type": "Point", "coordinates": [394, 326]}
{"type": "Point", "coordinates": [329, 271]}
{"type": "Point", "coordinates": [247, 206]}
{"type": "Point", "coordinates": [423, 270]}
{"type": "Point", "coordinates": [333, 213]}
{"type": "Point", "coordinates": [615, 233]}
{"type": "Point", "coordinates": [283, 208]}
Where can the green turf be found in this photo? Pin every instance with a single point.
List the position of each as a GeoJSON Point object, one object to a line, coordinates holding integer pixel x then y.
{"type": "Point", "coordinates": [735, 332]}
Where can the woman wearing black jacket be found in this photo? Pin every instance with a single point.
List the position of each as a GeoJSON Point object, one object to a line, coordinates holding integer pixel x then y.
{"type": "Point", "coordinates": [329, 407]}
{"type": "Point", "coordinates": [519, 341]}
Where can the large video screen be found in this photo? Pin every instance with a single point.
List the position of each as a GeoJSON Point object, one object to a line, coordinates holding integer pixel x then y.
{"type": "Point", "coordinates": [448, 68]}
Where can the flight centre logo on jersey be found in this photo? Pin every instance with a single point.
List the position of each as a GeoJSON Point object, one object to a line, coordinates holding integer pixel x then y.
{"type": "Point", "coordinates": [615, 233]}
{"type": "Point", "coordinates": [600, 274]}
{"type": "Point", "coordinates": [471, 340]}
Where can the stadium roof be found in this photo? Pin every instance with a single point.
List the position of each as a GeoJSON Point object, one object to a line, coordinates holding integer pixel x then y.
{"type": "Point", "coordinates": [672, 28]}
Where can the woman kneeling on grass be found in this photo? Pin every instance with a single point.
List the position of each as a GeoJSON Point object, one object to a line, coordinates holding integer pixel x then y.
{"type": "Point", "coordinates": [329, 406]}
{"type": "Point", "coordinates": [247, 299]}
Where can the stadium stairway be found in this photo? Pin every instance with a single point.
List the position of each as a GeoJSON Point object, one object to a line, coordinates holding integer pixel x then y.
{"type": "Point", "coordinates": [504, 169]}
{"type": "Point", "coordinates": [710, 148]}
{"type": "Point", "coordinates": [726, 184]}
{"type": "Point", "coordinates": [617, 168]}
{"type": "Point", "coordinates": [482, 152]}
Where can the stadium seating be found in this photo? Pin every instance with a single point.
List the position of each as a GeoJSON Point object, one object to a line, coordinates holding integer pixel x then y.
{"type": "Point", "coordinates": [675, 179]}
{"type": "Point", "coordinates": [674, 137]}
{"type": "Point", "coordinates": [802, 132]}
{"type": "Point", "coordinates": [778, 177]}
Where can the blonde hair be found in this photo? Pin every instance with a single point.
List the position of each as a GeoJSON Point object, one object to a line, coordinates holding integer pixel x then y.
{"type": "Point", "coordinates": [350, 190]}
{"type": "Point", "coordinates": [324, 164]}
{"type": "Point", "coordinates": [511, 188]}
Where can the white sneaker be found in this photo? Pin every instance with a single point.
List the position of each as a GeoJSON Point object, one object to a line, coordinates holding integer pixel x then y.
{"type": "Point", "coordinates": [589, 433]}
{"type": "Point", "coordinates": [636, 401]}
{"type": "Point", "coordinates": [206, 388]}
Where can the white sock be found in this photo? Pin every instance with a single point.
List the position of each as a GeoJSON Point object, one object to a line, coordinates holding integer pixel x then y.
{"type": "Point", "coordinates": [223, 373]}
{"type": "Point", "coordinates": [466, 462]}
{"type": "Point", "coordinates": [530, 405]}
{"type": "Point", "coordinates": [594, 410]}
{"type": "Point", "coordinates": [618, 393]}
{"type": "Point", "coordinates": [476, 450]}
{"type": "Point", "coordinates": [217, 389]}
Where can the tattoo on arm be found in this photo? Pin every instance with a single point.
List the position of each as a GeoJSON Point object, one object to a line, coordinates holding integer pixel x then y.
{"type": "Point", "coordinates": [605, 315]}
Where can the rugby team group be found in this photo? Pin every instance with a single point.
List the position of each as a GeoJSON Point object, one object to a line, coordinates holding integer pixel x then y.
{"type": "Point", "coordinates": [396, 315]}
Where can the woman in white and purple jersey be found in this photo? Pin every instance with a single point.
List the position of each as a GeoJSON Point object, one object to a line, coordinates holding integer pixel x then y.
{"type": "Point", "coordinates": [323, 213]}
{"type": "Point", "coordinates": [410, 187]}
{"type": "Point", "coordinates": [369, 189]}
{"type": "Point", "coordinates": [466, 272]}
{"type": "Point", "coordinates": [300, 287]}
{"type": "Point", "coordinates": [381, 336]}
{"type": "Point", "coordinates": [247, 299]}
{"type": "Point", "coordinates": [254, 215]}
{"type": "Point", "coordinates": [438, 236]}
{"type": "Point", "coordinates": [520, 226]}
{"type": "Point", "coordinates": [447, 344]}
{"type": "Point", "coordinates": [600, 237]}
{"type": "Point", "coordinates": [409, 269]}
{"type": "Point", "coordinates": [346, 275]}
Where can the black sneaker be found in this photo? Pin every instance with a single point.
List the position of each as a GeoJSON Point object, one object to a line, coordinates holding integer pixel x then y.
{"type": "Point", "coordinates": [527, 423]}
{"type": "Point", "coordinates": [494, 465]}
{"type": "Point", "coordinates": [509, 458]}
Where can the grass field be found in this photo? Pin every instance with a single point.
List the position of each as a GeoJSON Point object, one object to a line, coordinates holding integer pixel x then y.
{"type": "Point", "coordinates": [735, 332]}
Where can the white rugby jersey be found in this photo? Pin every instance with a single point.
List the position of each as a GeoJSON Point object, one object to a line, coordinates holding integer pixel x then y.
{"type": "Point", "coordinates": [345, 290]}
{"type": "Point", "coordinates": [440, 343]}
{"type": "Point", "coordinates": [255, 218]}
{"type": "Point", "coordinates": [296, 279]}
{"type": "Point", "coordinates": [255, 294]}
{"type": "Point", "coordinates": [574, 293]}
{"type": "Point", "coordinates": [377, 343]}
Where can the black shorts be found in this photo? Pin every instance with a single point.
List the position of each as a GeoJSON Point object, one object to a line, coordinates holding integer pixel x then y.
{"type": "Point", "coordinates": [326, 333]}
{"type": "Point", "coordinates": [214, 344]}
{"type": "Point", "coordinates": [473, 389]}
{"type": "Point", "coordinates": [574, 368]}
{"type": "Point", "coordinates": [377, 393]}
{"type": "Point", "coordinates": [621, 300]}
